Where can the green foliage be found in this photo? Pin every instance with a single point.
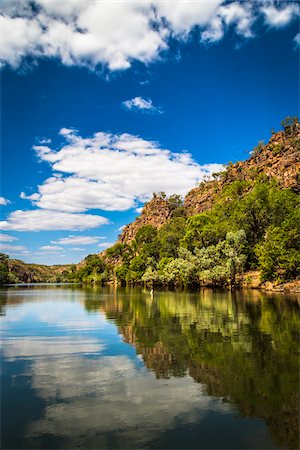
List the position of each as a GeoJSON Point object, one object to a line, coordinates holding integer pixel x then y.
{"type": "Point", "coordinates": [203, 230]}
{"type": "Point", "coordinates": [150, 276]}
{"type": "Point", "coordinates": [256, 150]}
{"type": "Point", "coordinates": [145, 235]}
{"type": "Point", "coordinates": [176, 205]}
{"type": "Point", "coordinates": [4, 272]}
{"type": "Point", "coordinates": [219, 264]}
{"type": "Point", "coordinates": [289, 124]}
{"type": "Point", "coordinates": [279, 253]}
{"type": "Point", "coordinates": [179, 272]}
{"type": "Point", "coordinates": [91, 272]}
{"type": "Point", "coordinates": [169, 237]}
{"type": "Point", "coordinates": [277, 149]}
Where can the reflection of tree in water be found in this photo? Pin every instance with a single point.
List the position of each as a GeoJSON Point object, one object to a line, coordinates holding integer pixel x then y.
{"type": "Point", "coordinates": [241, 346]}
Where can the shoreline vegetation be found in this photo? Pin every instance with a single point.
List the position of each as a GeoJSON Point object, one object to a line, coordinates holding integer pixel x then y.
{"type": "Point", "coordinates": [241, 229]}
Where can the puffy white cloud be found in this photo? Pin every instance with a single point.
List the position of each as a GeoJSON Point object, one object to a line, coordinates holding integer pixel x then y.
{"type": "Point", "coordinates": [280, 17]}
{"type": "Point", "coordinates": [7, 238]}
{"type": "Point", "coordinates": [4, 201]}
{"type": "Point", "coordinates": [143, 105]}
{"type": "Point", "coordinates": [112, 172]}
{"type": "Point", "coordinates": [52, 248]}
{"type": "Point", "coordinates": [38, 220]}
{"type": "Point", "coordinates": [78, 240]}
{"type": "Point", "coordinates": [239, 15]}
{"type": "Point", "coordinates": [114, 34]}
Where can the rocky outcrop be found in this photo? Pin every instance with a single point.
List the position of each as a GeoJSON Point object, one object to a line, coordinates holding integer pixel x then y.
{"type": "Point", "coordinates": [279, 159]}
{"type": "Point", "coordinates": [156, 213]}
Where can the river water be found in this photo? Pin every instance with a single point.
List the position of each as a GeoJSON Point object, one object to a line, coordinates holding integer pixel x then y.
{"type": "Point", "coordinates": [112, 368]}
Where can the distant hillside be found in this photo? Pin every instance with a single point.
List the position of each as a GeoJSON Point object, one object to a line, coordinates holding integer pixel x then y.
{"type": "Point", "coordinates": [16, 271]}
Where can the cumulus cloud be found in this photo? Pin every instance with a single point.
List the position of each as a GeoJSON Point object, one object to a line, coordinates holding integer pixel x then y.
{"type": "Point", "coordinates": [115, 34]}
{"type": "Point", "coordinates": [7, 238]}
{"type": "Point", "coordinates": [52, 248]}
{"type": "Point", "coordinates": [113, 172]}
{"type": "Point", "coordinates": [280, 17]}
{"type": "Point", "coordinates": [12, 248]}
{"type": "Point", "coordinates": [142, 104]}
{"type": "Point", "coordinates": [38, 220]}
{"type": "Point", "coordinates": [78, 240]}
{"type": "Point", "coordinates": [4, 201]}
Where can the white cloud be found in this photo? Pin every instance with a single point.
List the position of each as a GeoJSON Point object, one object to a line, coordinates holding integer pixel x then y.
{"type": "Point", "coordinates": [77, 249]}
{"type": "Point", "coordinates": [121, 228]}
{"type": "Point", "coordinates": [139, 210]}
{"type": "Point", "coordinates": [113, 172]}
{"type": "Point", "coordinates": [297, 39]}
{"type": "Point", "coordinates": [29, 197]}
{"type": "Point", "coordinates": [143, 105]}
{"type": "Point", "coordinates": [45, 141]}
{"type": "Point", "coordinates": [238, 15]}
{"type": "Point", "coordinates": [38, 220]}
{"type": "Point", "coordinates": [7, 238]}
{"type": "Point", "coordinates": [78, 240]}
{"type": "Point", "coordinates": [4, 201]}
{"type": "Point", "coordinates": [9, 247]}
{"type": "Point", "coordinates": [114, 34]}
{"type": "Point", "coordinates": [52, 248]}
{"type": "Point", "coordinates": [280, 17]}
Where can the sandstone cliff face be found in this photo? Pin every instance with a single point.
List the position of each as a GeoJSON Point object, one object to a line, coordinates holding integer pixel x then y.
{"type": "Point", "coordinates": [155, 213]}
{"type": "Point", "coordinates": [279, 159]}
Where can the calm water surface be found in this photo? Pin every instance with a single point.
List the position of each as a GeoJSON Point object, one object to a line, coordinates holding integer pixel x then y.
{"type": "Point", "coordinates": [115, 368]}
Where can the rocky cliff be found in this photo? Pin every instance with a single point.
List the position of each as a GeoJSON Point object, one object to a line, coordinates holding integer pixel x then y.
{"type": "Point", "coordinates": [155, 213]}
{"type": "Point", "coordinates": [278, 159]}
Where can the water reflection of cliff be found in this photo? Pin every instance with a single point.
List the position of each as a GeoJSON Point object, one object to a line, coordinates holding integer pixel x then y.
{"type": "Point", "coordinates": [241, 346]}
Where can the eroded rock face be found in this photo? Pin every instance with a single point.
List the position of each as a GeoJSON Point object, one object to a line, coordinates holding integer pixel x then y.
{"type": "Point", "coordinates": [279, 159]}
{"type": "Point", "coordinates": [156, 213]}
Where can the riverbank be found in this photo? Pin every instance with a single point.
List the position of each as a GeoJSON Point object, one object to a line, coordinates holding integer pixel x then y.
{"type": "Point", "coordinates": [251, 280]}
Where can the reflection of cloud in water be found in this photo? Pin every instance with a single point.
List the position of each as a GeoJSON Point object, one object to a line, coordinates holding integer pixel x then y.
{"type": "Point", "coordinates": [111, 395]}
{"type": "Point", "coordinates": [33, 347]}
{"type": "Point", "coordinates": [60, 314]}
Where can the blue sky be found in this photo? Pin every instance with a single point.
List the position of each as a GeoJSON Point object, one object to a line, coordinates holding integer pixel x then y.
{"type": "Point", "coordinates": [103, 105]}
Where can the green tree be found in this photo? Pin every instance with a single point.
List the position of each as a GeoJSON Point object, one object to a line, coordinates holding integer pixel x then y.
{"type": "Point", "coordinates": [219, 264]}
{"type": "Point", "coordinates": [150, 276]}
{"type": "Point", "coordinates": [169, 237]}
{"type": "Point", "coordinates": [4, 271]}
{"type": "Point", "coordinates": [279, 254]}
{"type": "Point", "coordinates": [145, 235]}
